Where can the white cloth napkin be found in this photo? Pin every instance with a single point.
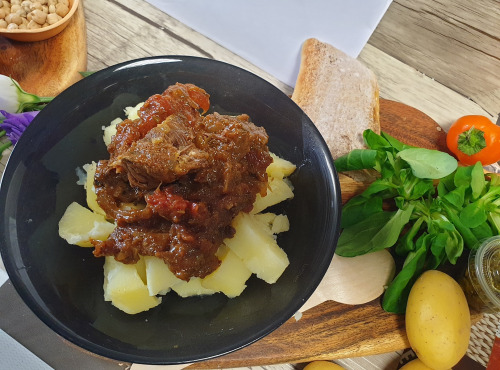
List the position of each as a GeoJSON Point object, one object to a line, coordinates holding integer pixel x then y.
{"type": "Point", "coordinates": [269, 33]}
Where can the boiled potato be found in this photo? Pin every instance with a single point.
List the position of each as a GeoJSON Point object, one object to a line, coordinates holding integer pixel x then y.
{"type": "Point", "coordinates": [278, 190]}
{"type": "Point", "coordinates": [125, 289]}
{"type": "Point", "coordinates": [79, 224]}
{"type": "Point", "coordinates": [280, 167]}
{"type": "Point", "coordinates": [416, 365]}
{"type": "Point", "coordinates": [230, 277]}
{"type": "Point", "coordinates": [90, 190]}
{"type": "Point", "coordinates": [191, 288]}
{"type": "Point", "coordinates": [275, 223]}
{"type": "Point", "coordinates": [158, 276]}
{"type": "Point", "coordinates": [438, 320]}
{"type": "Point", "coordinates": [110, 130]}
{"type": "Point", "coordinates": [256, 246]}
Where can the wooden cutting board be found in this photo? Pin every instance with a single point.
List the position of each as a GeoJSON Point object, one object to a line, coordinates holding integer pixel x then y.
{"type": "Point", "coordinates": [47, 67]}
{"type": "Point", "coordinates": [333, 330]}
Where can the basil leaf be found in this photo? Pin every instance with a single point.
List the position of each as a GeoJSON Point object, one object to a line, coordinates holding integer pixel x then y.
{"type": "Point", "coordinates": [357, 159]}
{"type": "Point", "coordinates": [429, 164]}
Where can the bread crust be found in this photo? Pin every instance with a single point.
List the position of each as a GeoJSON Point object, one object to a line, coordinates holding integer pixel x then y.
{"type": "Point", "coordinates": [339, 94]}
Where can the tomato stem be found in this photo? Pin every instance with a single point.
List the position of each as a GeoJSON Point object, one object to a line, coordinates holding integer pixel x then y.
{"type": "Point", "coordinates": [471, 141]}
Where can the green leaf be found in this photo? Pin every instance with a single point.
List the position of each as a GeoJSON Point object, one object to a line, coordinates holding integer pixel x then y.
{"type": "Point", "coordinates": [396, 144]}
{"type": "Point", "coordinates": [359, 208]}
{"type": "Point", "coordinates": [438, 250]}
{"type": "Point", "coordinates": [454, 247]}
{"type": "Point", "coordinates": [456, 197]}
{"type": "Point", "coordinates": [86, 73]}
{"type": "Point", "coordinates": [482, 231]}
{"type": "Point", "coordinates": [472, 141]}
{"type": "Point", "coordinates": [396, 296]}
{"type": "Point", "coordinates": [355, 240]}
{"type": "Point", "coordinates": [375, 141]}
{"type": "Point", "coordinates": [388, 235]}
{"type": "Point", "coordinates": [357, 159]}
{"type": "Point", "coordinates": [429, 164]}
{"type": "Point", "coordinates": [473, 215]}
{"type": "Point", "coordinates": [478, 182]}
{"type": "Point", "coordinates": [463, 176]}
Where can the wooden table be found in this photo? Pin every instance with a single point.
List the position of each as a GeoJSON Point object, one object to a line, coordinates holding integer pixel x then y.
{"type": "Point", "coordinates": [442, 58]}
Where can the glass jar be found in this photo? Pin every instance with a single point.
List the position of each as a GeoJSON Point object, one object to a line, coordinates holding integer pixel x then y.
{"type": "Point", "coordinates": [481, 283]}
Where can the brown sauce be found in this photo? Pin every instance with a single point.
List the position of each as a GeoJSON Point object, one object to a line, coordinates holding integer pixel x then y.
{"type": "Point", "coordinates": [176, 178]}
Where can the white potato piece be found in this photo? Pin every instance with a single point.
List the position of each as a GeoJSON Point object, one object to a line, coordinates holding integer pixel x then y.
{"type": "Point", "coordinates": [257, 248]}
{"type": "Point", "coordinates": [79, 224]}
{"type": "Point", "coordinates": [275, 223]}
{"type": "Point", "coordinates": [125, 289]}
{"type": "Point", "coordinates": [280, 167]}
{"type": "Point", "coordinates": [91, 196]}
{"type": "Point", "coordinates": [230, 277]}
{"type": "Point", "coordinates": [278, 190]}
{"type": "Point", "coordinates": [158, 276]}
{"type": "Point", "coordinates": [133, 112]}
{"type": "Point", "coordinates": [190, 288]}
{"type": "Point", "coordinates": [110, 130]}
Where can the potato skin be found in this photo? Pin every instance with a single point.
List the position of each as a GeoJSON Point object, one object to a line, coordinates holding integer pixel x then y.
{"type": "Point", "coordinates": [438, 320]}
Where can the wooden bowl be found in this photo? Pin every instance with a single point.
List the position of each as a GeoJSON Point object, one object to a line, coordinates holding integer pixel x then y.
{"type": "Point", "coordinates": [44, 32]}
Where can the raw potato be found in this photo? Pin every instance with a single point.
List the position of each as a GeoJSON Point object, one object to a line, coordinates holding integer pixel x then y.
{"type": "Point", "coordinates": [125, 289]}
{"type": "Point", "coordinates": [416, 365]}
{"type": "Point", "coordinates": [255, 245]}
{"type": "Point", "coordinates": [323, 365]}
{"type": "Point", "coordinates": [438, 320]}
{"type": "Point", "coordinates": [79, 224]}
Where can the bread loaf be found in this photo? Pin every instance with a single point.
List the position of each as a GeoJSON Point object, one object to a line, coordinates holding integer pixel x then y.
{"type": "Point", "coordinates": [339, 94]}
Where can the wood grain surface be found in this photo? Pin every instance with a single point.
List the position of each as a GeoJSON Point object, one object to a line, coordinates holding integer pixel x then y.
{"type": "Point", "coordinates": [47, 67]}
{"type": "Point", "coordinates": [333, 330]}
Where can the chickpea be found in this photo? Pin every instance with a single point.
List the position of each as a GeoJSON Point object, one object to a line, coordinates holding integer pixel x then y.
{"type": "Point", "coordinates": [2, 13]}
{"type": "Point", "coordinates": [12, 26]}
{"type": "Point", "coordinates": [39, 16]}
{"type": "Point", "coordinates": [45, 9]}
{"type": "Point", "coordinates": [51, 2]}
{"type": "Point", "coordinates": [33, 25]}
{"type": "Point", "coordinates": [14, 8]}
{"type": "Point", "coordinates": [65, 2]}
{"type": "Point", "coordinates": [13, 18]}
{"type": "Point", "coordinates": [36, 5]}
{"type": "Point", "coordinates": [62, 10]}
{"type": "Point", "coordinates": [3, 24]}
{"type": "Point", "coordinates": [53, 18]}
{"type": "Point", "coordinates": [52, 9]}
{"type": "Point", "coordinates": [15, 2]}
{"type": "Point", "coordinates": [43, 2]}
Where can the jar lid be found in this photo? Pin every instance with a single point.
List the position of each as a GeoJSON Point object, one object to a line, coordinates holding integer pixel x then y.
{"type": "Point", "coordinates": [487, 263]}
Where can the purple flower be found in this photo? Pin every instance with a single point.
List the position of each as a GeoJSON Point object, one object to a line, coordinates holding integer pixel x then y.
{"type": "Point", "coordinates": [14, 124]}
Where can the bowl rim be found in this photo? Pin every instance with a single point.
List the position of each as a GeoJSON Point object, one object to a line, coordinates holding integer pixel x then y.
{"type": "Point", "coordinates": [78, 339]}
{"type": "Point", "coordinates": [74, 6]}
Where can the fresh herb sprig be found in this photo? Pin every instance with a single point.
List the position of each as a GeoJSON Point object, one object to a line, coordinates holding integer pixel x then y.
{"type": "Point", "coordinates": [422, 206]}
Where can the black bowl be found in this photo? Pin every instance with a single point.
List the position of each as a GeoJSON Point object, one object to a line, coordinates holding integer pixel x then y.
{"type": "Point", "coordinates": [62, 283]}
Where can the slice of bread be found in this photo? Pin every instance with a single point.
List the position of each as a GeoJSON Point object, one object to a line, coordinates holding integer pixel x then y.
{"type": "Point", "coordinates": [339, 94]}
